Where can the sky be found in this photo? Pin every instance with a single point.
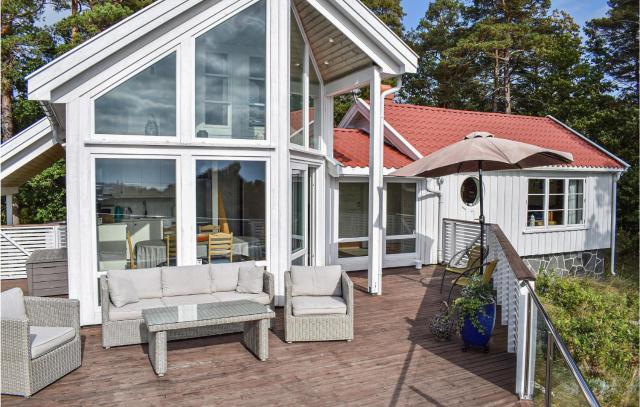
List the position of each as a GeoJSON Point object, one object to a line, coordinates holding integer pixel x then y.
{"type": "Point", "coordinates": [581, 10]}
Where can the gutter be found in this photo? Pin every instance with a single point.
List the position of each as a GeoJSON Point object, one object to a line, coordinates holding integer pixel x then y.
{"type": "Point", "coordinates": [56, 125]}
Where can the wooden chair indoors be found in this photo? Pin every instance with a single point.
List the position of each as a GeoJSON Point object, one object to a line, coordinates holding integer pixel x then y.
{"type": "Point", "coordinates": [463, 279]}
{"type": "Point", "coordinates": [209, 229]}
{"type": "Point", "coordinates": [170, 242]}
{"type": "Point", "coordinates": [132, 259]}
{"type": "Point", "coordinates": [220, 244]}
{"type": "Point", "coordinates": [457, 264]}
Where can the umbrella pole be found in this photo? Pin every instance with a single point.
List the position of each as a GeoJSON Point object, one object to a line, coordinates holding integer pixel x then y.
{"type": "Point", "coordinates": [481, 217]}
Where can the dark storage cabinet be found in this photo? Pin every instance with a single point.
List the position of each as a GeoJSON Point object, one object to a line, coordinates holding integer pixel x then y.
{"type": "Point", "coordinates": [47, 273]}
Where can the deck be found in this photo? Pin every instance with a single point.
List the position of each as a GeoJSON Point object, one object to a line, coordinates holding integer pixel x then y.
{"type": "Point", "coordinates": [392, 361]}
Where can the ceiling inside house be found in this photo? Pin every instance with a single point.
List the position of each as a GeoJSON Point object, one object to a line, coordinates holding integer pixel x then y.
{"type": "Point", "coordinates": [335, 54]}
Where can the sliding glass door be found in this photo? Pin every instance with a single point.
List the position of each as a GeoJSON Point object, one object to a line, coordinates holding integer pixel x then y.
{"type": "Point", "coordinates": [301, 214]}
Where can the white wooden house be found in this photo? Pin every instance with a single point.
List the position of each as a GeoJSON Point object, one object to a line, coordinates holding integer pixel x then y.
{"type": "Point", "coordinates": [192, 116]}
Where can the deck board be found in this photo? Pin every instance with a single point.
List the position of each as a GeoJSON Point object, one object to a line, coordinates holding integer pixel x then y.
{"type": "Point", "coordinates": [392, 361]}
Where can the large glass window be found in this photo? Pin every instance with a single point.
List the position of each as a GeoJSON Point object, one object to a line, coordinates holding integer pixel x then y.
{"type": "Point", "coordinates": [230, 210]}
{"type": "Point", "coordinates": [296, 84]}
{"type": "Point", "coordinates": [298, 197]}
{"type": "Point", "coordinates": [230, 77]}
{"type": "Point", "coordinates": [143, 105]}
{"type": "Point", "coordinates": [401, 218]}
{"type": "Point", "coordinates": [555, 202]}
{"type": "Point", "coordinates": [353, 222]}
{"type": "Point", "coordinates": [135, 213]}
{"type": "Point", "coordinates": [314, 107]}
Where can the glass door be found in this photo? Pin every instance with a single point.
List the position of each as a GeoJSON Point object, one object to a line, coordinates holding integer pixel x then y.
{"type": "Point", "coordinates": [300, 219]}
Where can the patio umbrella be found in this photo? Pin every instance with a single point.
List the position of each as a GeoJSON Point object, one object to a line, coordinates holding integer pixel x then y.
{"type": "Point", "coordinates": [481, 151]}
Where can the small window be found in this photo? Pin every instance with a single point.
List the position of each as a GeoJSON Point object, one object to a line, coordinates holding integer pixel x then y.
{"type": "Point", "coordinates": [555, 202]}
{"type": "Point", "coordinates": [469, 191]}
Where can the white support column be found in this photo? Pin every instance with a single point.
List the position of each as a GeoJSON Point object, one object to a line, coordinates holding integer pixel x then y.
{"type": "Point", "coordinates": [376, 179]}
{"type": "Point", "coordinates": [9, 209]}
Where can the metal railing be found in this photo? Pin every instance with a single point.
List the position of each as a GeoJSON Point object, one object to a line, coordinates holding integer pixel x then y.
{"type": "Point", "coordinates": [555, 378]}
{"type": "Point", "coordinates": [545, 369]}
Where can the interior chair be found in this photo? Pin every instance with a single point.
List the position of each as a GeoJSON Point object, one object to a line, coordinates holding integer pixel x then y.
{"type": "Point", "coordinates": [208, 229]}
{"type": "Point", "coordinates": [458, 265]}
{"type": "Point", "coordinates": [172, 245]}
{"type": "Point", "coordinates": [463, 279]}
{"type": "Point", "coordinates": [40, 341]}
{"type": "Point", "coordinates": [132, 257]}
{"type": "Point", "coordinates": [220, 244]}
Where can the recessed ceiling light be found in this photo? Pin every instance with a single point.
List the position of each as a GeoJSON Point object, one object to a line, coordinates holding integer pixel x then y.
{"type": "Point", "coordinates": [326, 62]}
{"type": "Point", "coordinates": [330, 40]}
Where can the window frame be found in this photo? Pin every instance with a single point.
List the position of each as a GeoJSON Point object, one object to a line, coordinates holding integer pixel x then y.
{"type": "Point", "coordinates": [128, 73]}
{"type": "Point", "coordinates": [309, 62]}
{"type": "Point", "coordinates": [413, 235]}
{"type": "Point", "coordinates": [546, 210]}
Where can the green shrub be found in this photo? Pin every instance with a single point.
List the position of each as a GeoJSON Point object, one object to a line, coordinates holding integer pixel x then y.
{"type": "Point", "coordinates": [598, 320]}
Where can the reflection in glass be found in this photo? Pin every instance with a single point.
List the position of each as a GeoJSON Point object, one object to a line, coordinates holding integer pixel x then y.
{"type": "Point", "coordinates": [136, 213]}
{"type": "Point", "coordinates": [297, 211]}
{"type": "Point", "coordinates": [353, 210]}
{"type": "Point", "coordinates": [143, 105]}
{"type": "Point", "coordinates": [401, 208]}
{"type": "Point", "coordinates": [230, 210]}
{"type": "Point", "coordinates": [230, 77]}
{"type": "Point", "coordinates": [296, 80]}
{"type": "Point", "coordinates": [400, 246]}
{"type": "Point", "coordinates": [314, 107]}
{"type": "Point", "coordinates": [353, 249]}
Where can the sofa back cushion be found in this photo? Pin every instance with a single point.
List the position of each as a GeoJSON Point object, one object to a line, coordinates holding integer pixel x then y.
{"type": "Point", "coordinates": [250, 279]}
{"type": "Point", "coordinates": [12, 304]}
{"type": "Point", "coordinates": [224, 276]}
{"type": "Point", "coordinates": [122, 291]}
{"type": "Point", "coordinates": [316, 280]}
{"type": "Point", "coordinates": [147, 282]}
{"type": "Point", "coordinates": [185, 280]}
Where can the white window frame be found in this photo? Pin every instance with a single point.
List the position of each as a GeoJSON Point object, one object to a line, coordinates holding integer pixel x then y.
{"type": "Point", "coordinates": [413, 235]}
{"type": "Point", "coordinates": [308, 57]}
{"type": "Point", "coordinates": [545, 210]}
{"type": "Point", "coordinates": [127, 74]}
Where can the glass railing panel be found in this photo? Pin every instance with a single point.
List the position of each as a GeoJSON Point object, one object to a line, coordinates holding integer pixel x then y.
{"type": "Point", "coordinates": [540, 377]}
{"type": "Point", "coordinates": [565, 390]}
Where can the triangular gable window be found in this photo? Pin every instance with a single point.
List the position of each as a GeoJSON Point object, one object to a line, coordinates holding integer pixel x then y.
{"type": "Point", "coordinates": [144, 105]}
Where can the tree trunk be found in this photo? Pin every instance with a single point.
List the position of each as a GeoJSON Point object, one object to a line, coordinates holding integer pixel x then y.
{"type": "Point", "coordinates": [507, 82]}
{"type": "Point", "coordinates": [7, 114]}
{"type": "Point", "coordinates": [74, 27]}
{"type": "Point", "coordinates": [496, 81]}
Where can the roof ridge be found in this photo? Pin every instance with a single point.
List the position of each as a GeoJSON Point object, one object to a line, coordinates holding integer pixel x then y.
{"type": "Point", "coordinates": [460, 111]}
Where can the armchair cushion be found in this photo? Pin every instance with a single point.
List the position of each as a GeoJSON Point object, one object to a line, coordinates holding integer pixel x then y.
{"type": "Point", "coordinates": [224, 276]}
{"type": "Point", "coordinates": [250, 280]}
{"type": "Point", "coordinates": [122, 290]}
{"type": "Point", "coordinates": [261, 298]}
{"type": "Point", "coordinates": [315, 305]}
{"type": "Point", "coordinates": [44, 339]}
{"type": "Point", "coordinates": [147, 282]}
{"type": "Point", "coordinates": [12, 304]}
{"type": "Point", "coordinates": [316, 280]}
{"type": "Point", "coordinates": [185, 280]}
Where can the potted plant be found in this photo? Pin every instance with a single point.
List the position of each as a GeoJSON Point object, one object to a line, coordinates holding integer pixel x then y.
{"type": "Point", "coordinates": [476, 313]}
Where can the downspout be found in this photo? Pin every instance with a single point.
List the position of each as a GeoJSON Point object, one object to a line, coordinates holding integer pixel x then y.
{"type": "Point", "coordinates": [614, 207]}
{"type": "Point", "coordinates": [438, 193]}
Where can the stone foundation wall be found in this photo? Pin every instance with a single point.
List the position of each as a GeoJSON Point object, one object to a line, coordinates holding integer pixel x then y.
{"type": "Point", "coordinates": [589, 263]}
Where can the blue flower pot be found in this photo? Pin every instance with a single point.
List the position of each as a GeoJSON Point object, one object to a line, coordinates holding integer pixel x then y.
{"type": "Point", "coordinates": [471, 336]}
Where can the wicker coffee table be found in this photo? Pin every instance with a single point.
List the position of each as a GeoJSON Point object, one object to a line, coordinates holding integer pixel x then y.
{"type": "Point", "coordinates": [160, 320]}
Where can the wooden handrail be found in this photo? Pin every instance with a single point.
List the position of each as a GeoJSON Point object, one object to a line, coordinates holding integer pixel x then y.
{"type": "Point", "coordinates": [518, 267]}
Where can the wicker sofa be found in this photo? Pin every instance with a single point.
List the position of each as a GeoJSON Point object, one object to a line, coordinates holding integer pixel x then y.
{"type": "Point", "coordinates": [41, 346]}
{"type": "Point", "coordinates": [318, 304]}
{"type": "Point", "coordinates": [170, 286]}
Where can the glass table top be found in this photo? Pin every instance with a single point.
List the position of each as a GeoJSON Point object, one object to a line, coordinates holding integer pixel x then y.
{"type": "Point", "coordinates": [202, 312]}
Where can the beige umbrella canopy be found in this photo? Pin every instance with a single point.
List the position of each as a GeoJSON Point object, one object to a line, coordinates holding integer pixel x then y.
{"type": "Point", "coordinates": [480, 151]}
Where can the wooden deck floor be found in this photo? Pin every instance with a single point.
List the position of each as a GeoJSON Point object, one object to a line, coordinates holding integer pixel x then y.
{"type": "Point", "coordinates": [393, 361]}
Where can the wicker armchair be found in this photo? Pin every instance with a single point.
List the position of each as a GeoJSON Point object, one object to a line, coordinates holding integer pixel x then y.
{"type": "Point", "coordinates": [24, 375]}
{"type": "Point", "coordinates": [318, 326]}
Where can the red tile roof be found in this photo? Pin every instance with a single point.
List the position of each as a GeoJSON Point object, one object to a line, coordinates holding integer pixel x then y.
{"type": "Point", "coordinates": [429, 129]}
{"type": "Point", "coordinates": [351, 148]}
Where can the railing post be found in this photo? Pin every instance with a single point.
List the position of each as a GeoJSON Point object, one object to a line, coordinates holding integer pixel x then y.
{"type": "Point", "coordinates": [523, 344]}
{"type": "Point", "coordinates": [549, 370]}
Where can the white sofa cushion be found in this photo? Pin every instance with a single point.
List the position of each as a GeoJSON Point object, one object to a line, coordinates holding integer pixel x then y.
{"type": "Point", "coordinates": [122, 290]}
{"type": "Point", "coordinates": [43, 339]}
{"type": "Point", "coordinates": [262, 298]}
{"type": "Point", "coordinates": [224, 276]}
{"type": "Point", "coordinates": [185, 280]}
{"type": "Point", "coordinates": [148, 282]}
{"type": "Point", "coordinates": [188, 299]}
{"type": "Point", "coordinates": [316, 280]}
{"type": "Point", "coordinates": [250, 279]}
{"type": "Point", "coordinates": [12, 304]}
{"type": "Point", "coordinates": [133, 311]}
{"type": "Point", "coordinates": [315, 305]}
